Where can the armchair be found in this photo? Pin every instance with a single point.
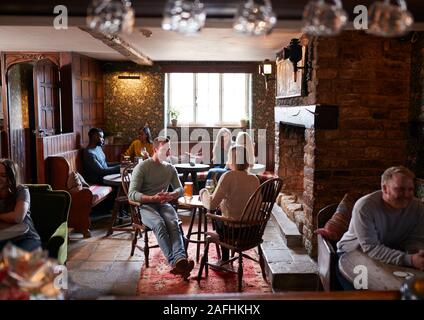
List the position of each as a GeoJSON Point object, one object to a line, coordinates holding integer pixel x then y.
{"type": "Point", "coordinates": [49, 212]}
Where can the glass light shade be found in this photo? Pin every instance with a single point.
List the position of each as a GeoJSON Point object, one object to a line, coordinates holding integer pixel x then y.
{"type": "Point", "coordinates": [324, 19]}
{"type": "Point", "coordinates": [184, 16]}
{"type": "Point", "coordinates": [255, 18]}
{"type": "Point", "coordinates": [267, 68]}
{"type": "Point", "coordinates": [111, 16]}
{"type": "Point", "coordinates": [389, 20]}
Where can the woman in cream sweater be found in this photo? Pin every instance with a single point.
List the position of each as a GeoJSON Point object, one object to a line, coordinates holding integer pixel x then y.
{"type": "Point", "coordinates": [233, 190]}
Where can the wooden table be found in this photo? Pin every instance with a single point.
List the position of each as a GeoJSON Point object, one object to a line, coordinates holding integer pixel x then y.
{"type": "Point", "coordinates": [186, 169]}
{"type": "Point", "coordinates": [380, 275]}
{"type": "Point", "coordinates": [196, 206]}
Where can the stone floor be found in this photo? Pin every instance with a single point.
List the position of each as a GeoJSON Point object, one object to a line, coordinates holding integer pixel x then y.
{"type": "Point", "coordinates": [101, 266]}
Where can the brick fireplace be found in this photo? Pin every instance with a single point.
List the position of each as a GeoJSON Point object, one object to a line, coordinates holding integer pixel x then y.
{"type": "Point", "coordinates": [351, 126]}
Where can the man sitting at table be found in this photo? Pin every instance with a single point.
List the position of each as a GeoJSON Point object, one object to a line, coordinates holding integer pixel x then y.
{"type": "Point", "coordinates": [388, 225]}
{"type": "Point", "coordinates": [149, 185]}
{"type": "Point", "coordinates": [94, 159]}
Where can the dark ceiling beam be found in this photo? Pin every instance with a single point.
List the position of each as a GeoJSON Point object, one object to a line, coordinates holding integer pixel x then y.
{"type": "Point", "coordinates": [287, 9]}
{"type": "Point", "coordinates": [118, 44]}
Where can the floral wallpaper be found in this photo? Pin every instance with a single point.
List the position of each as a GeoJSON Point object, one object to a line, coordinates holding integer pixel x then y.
{"type": "Point", "coordinates": [131, 103]}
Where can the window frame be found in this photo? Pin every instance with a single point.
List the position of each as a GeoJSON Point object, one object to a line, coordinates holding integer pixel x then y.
{"type": "Point", "coordinates": [247, 107]}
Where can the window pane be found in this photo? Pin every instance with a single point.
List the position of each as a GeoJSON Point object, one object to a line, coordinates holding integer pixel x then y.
{"type": "Point", "coordinates": [181, 95]}
{"type": "Point", "coordinates": [234, 103]}
{"type": "Point", "coordinates": [208, 98]}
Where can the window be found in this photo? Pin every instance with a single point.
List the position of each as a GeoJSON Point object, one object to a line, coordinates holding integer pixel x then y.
{"type": "Point", "coordinates": [210, 99]}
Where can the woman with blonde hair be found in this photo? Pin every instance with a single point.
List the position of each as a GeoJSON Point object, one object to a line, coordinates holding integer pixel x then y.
{"type": "Point", "coordinates": [14, 208]}
{"type": "Point", "coordinates": [233, 190]}
{"type": "Point", "coordinates": [245, 140]}
{"type": "Point", "coordinates": [220, 149]}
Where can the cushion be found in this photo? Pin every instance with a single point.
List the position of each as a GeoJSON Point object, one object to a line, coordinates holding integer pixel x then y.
{"type": "Point", "coordinates": [99, 193]}
{"type": "Point", "coordinates": [74, 183]}
{"type": "Point", "coordinates": [338, 224]}
{"type": "Point", "coordinates": [83, 182]}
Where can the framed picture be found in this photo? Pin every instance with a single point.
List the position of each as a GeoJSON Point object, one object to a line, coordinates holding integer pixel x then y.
{"type": "Point", "coordinates": [289, 83]}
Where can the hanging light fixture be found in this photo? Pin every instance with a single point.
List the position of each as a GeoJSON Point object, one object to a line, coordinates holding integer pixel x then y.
{"type": "Point", "coordinates": [389, 20]}
{"type": "Point", "coordinates": [111, 16]}
{"type": "Point", "coordinates": [255, 18]}
{"type": "Point", "coordinates": [321, 18]}
{"type": "Point", "coordinates": [184, 16]}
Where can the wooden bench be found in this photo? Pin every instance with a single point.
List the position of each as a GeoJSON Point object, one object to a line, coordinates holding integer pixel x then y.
{"type": "Point", "coordinates": [59, 166]}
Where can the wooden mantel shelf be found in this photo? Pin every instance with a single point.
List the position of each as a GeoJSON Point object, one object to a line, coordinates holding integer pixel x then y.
{"type": "Point", "coordinates": [318, 116]}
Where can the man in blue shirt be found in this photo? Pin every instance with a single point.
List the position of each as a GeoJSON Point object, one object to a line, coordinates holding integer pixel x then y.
{"type": "Point", "coordinates": [94, 159]}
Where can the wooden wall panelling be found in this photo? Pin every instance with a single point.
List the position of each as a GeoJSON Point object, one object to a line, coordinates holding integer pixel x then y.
{"type": "Point", "coordinates": [66, 92]}
{"type": "Point", "coordinates": [88, 98]}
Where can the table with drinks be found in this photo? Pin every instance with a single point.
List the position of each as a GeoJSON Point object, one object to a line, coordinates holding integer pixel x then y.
{"type": "Point", "coordinates": [193, 202]}
{"type": "Point", "coordinates": [192, 169]}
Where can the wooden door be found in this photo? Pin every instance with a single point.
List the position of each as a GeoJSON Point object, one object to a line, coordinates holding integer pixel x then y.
{"type": "Point", "coordinates": [46, 90]}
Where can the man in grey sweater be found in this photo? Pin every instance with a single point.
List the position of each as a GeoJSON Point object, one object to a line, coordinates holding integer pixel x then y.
{"type": "Point", "coordinates": [149, 185]}
{"type": "Point", "coordinates": [388, 225]}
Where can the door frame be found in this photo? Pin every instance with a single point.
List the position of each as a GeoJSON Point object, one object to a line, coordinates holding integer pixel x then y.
{"type": "Point", "coordinates": [8, 60]}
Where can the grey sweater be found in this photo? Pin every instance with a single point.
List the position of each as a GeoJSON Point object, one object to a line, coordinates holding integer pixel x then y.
{"type": "Point", "coordinates": [150, 177]}
{"type": "Point", "coordinates": [384, 233]}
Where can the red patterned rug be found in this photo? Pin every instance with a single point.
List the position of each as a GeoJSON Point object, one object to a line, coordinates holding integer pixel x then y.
{"type": "Point", "coordinates": [157, 280]}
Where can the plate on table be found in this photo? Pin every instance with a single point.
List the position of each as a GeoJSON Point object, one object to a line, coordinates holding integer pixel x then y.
{"type": "Point", "coordinates": [12, 230]}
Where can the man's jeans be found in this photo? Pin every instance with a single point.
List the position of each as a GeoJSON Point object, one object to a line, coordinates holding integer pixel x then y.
{"type": "Point", "coordinates": [163, 220]}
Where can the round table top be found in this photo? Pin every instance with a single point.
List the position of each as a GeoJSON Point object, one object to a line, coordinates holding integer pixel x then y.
{"type": "Point", "coordinates": [257, 168]}
{"type": "Point", "coordinates": [186, 167]}
{"type": "Point", "coordinates": [113, 180]}
{"type": "Point", "coordinates": [193, 202]}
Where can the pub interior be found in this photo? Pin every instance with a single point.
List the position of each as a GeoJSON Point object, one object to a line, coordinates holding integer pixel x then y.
{"type": "Point", "coordinates": [330, 92]}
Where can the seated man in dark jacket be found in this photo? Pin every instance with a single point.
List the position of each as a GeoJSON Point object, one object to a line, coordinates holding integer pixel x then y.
{"type": "Point", "coordinates": [94, 159]}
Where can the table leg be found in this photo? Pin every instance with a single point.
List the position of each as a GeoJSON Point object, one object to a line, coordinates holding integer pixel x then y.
{"type": "Point", "coordinates": [116, 214]}
{"type": "Point", "coordinates": [195, 183]}
{"type": "Point", "coordinates": [190, 228]}
{"type": "Point", "coordinates": [199, 233]}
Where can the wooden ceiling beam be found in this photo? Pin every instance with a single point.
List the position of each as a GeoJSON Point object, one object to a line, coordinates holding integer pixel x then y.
{"type": "Point", "coordinates": [118, 44]}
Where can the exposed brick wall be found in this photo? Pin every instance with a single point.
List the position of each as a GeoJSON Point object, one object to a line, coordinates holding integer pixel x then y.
{"type": "Point", "coordinates": [416, 139]}
{"type": "Point", "coordinates": [368, 79]}
{"type": "Point", "coordinates": [291, 153]}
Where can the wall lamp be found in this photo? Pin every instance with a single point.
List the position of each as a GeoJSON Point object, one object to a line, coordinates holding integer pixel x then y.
{"type": "Point", "coordinates": [129, 77]}
{"type": "Point", "coordinates": [294, 52]}
{"type": "Point", "coordinates": [265, 69]}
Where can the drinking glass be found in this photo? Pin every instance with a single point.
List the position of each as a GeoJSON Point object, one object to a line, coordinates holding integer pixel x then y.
{"type": "Point", "coordinates": [188, 190]}
{"type": "Point", "coordinates": [210, 186]}
{"type": "Point", "coordinates": [324, 19]}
